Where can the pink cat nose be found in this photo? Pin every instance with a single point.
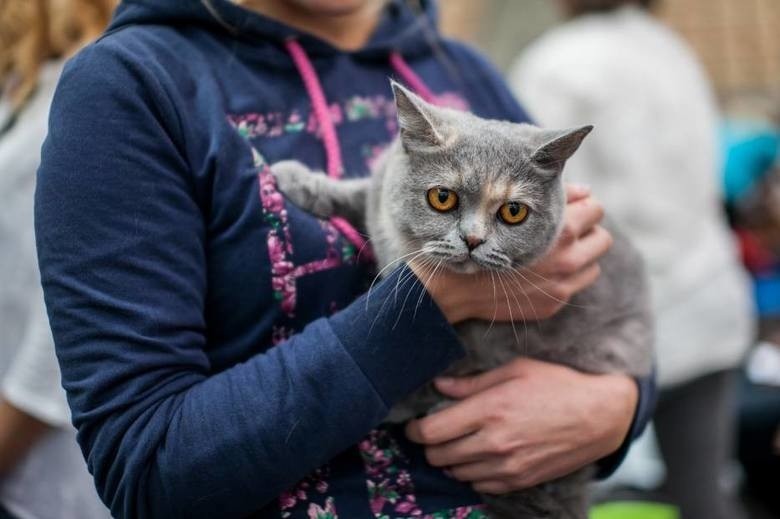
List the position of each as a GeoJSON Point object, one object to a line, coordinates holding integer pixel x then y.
{"type": "Point", "coordinates": [472, 242]}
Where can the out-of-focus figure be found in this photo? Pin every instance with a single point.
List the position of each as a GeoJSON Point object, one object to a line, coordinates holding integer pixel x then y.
{"type": "Point", "coordinates": [751, 139]}
{"type": "Point", "coordinates": [654, 161]}
{"type": "Point", "coordinates": [42, 472]}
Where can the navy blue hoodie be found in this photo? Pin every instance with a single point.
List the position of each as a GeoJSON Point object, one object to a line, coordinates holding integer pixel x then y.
{"type": "Point", "coordinates": [213, 339]}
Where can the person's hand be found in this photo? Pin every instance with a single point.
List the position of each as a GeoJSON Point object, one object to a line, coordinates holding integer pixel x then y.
{"type": "Point", "coordinates": [539, 291]}
{"type": "Point", "coordinates": [525, 423]}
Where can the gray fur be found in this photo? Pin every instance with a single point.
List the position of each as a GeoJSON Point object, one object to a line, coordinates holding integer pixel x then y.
{"type": "Point", "coordinates": [604, 329]}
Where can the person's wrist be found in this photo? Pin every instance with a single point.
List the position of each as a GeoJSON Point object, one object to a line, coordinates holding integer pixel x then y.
{"type": "Point", "coordinates": [622, 393]}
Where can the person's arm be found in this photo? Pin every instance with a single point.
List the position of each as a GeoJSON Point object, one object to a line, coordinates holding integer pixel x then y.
{"type": "Point", "coordinates": [122, 249]}
{"type": "Point", "coordinates": [492, 86]}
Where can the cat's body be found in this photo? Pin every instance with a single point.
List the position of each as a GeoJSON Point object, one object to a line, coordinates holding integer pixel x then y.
{"type": "Point", "coordinates": [604, 329]}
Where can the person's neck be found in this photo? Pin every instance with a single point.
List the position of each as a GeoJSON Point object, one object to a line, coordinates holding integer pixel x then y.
{"type": "Point", "coordinates": [346, 31]}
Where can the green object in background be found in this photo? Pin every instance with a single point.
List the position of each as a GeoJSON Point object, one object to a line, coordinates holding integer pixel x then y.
{"type": "Point", "coordinates": [634, 510]}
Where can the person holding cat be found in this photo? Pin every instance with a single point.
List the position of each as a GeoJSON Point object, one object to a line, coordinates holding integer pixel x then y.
{"type": "Point", "coordinates": [218, 355]}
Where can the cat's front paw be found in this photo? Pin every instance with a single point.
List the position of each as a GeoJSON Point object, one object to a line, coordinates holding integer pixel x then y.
{"type": "Point", "coordinates": [296, 182]}
{"type": "Point", "coordinates": [291, 176]}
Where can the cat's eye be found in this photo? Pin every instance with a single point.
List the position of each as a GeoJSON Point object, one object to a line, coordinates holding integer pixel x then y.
{"type": "Point", "coordinates": [513, 213]}
{"type": "Point", "coordinates": [442, 199]}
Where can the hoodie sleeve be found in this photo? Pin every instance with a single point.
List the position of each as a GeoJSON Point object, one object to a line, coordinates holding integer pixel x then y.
{"type": "Point", "coordinates": [493, 98]}
{"type": "Point", "coordinates": [121, 245]}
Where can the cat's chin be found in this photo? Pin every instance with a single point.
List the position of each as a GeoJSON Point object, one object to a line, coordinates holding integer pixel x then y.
{"type": "Point", "coordinates": [467, 266]}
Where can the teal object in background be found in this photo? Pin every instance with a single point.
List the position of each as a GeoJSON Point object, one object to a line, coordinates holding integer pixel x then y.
{"type": "Point", "coordinates": [750, 149]}
{"type": "Point", "coordinates": [634, 510]}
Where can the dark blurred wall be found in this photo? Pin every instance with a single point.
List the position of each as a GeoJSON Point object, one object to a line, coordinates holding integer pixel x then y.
{"type": "Point", "coordinates": [738, 40]}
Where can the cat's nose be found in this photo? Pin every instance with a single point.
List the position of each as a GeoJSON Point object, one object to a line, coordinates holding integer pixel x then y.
{"type": "Point", "coordinates": [472, 242]}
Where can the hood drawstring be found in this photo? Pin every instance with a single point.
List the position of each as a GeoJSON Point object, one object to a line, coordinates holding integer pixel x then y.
{"type": "Point", "coordinates": [330, 139]}
{"type": "Point", "coordinates": [411, 79]}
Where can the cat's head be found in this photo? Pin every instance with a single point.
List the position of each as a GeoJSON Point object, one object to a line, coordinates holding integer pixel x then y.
{"type": "Point", "coordinates": [475, 193]}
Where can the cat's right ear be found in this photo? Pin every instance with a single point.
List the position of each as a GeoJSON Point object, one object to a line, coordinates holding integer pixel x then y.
{"type": "Point", "coordinates": [558, 147]}
{"type": "Point", "coordinates": [416, 120]}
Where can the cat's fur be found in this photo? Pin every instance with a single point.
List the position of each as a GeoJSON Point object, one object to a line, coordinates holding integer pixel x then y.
{"type": "Point", "coordinates": [604, 329]}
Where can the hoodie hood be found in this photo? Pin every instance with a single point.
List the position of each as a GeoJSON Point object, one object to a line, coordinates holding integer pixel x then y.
{"type": "Point", "coordinates": [405, 28]}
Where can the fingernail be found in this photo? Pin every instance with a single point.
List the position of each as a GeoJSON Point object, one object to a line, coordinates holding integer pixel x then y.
{"type": "Point", "coordinates": [445, 381]}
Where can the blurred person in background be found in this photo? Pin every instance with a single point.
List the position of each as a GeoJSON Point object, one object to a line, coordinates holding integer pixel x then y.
{"type": "Point", "coordinates": [751, 141]}
{"type": "Point", "coordinates": [42, 471]}
{"type": "Point", "coordinates": [653, 160]}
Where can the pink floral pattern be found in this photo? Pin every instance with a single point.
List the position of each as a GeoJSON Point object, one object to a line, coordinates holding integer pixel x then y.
{"type": "Point", "coordinates": [284, 272]}
{"type": "Point", "coordinates": [300, 496]}
{"type": "Point", "coordinates": [387, 484]}
{"type": "Point", "coordinates": [353, 109]}
{"type": "Point", "coordinates": [390, 487]}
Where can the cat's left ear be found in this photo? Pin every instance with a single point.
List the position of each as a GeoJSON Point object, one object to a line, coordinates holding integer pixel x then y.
{"type": "Point", "coordinates": [559, 146]}
{"type": "Point", "coordinates": [419, 127]}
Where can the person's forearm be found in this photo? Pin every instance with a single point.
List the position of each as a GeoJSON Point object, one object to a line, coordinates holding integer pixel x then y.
{"type": "Point", "coordinates": [196, 445]}
{"type": "Point", "coordinates": [18, 434]}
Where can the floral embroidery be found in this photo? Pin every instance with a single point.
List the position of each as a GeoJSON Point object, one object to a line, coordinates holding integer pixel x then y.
{"type": "Point", "coordinates": [313, 485]}
{"type": "Point", "coordinates": [354, 109]}
{"type": "Point", "coordinates": [329, 512]}
{"type": "Point", "coordinates": [280, 248]}
{"type": "Point", "coordinates": [387, 483]}
{"type": "Point", "coordinates": [390, 484]}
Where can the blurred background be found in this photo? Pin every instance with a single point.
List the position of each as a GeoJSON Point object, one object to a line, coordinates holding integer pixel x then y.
{"type": "Point", "coordinates": [737, 40]}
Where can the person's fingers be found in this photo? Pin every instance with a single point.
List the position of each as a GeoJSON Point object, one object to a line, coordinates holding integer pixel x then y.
{"type": "Point", "coordinates": [580, 218]}
{"type": "Point", "coordinates": [582, 279]}
{"type": "Point", "coordinates": [472, 448]}
{"type": "Point", "coordinates": [460, 419]}
{"type": "Point", "coordinates": [462, 387]}
{"type": "Point", "coordinates": [492, 486]}
{"type": "Point", "coordinates": [592, 246]}
{"type": "Point", "coordinates": [483, 470]}
{"type": "Point", "coordinates": [576, 192]}
{"type": "Point", "coordinates": [456, 452]}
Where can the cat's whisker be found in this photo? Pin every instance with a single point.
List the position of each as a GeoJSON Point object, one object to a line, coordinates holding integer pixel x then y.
{"type": "Point", "coordinates": [522, 314]}
{"type": "Point", "coordinates": [389, 265]}
{"type": "Point", "coordinates": [363, 247]}
{"type": "Point", "coordinates": [557, 300]}
{"type": "Point", "coordinates": [426, 263]}
{"type": "Point", "coordinates": [513, 278]}
{"type": "Point", "coordinates": [425, 286]}
{"type": "Point", "coordinates": [495, 304]}
{"type": "Point", "coordinates": [398, 284]}
{"type": "Point", "coordinates": [402, 279]}
{"type": "Point", "coordinates": [532, 271]}
{"type": "Point", "coordinates": [509, 307]}
{"type": "Point", "coordinates": [511, 317]}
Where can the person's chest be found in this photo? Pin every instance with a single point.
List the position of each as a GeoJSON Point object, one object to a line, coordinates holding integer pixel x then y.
{"type": "Point", "coordinates": [272, 268]}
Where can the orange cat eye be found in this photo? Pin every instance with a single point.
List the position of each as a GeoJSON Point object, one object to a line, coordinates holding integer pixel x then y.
{"type": "Point", "coordinates": [513, 213]}
{"type": "Point", "coordinates": [442, 199]}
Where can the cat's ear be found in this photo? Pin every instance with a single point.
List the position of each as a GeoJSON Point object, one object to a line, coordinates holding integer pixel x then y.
{"type": "Point", "coordinates": [417, 122]}
{"type": "Point", "coordinates": [558, 147]}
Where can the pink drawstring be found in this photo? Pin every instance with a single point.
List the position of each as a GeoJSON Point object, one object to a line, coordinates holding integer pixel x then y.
{"type": "Point", "coordinates": [329, 135]}
{"type": "Point", "coordinates": [328, 130]}
{"type": "Point", "coordinates": [411, 79]}
{"type": "Point", "coordinates": [319, 105]}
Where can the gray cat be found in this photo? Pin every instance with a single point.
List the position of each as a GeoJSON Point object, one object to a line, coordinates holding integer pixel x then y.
{"type": "Point", "coordinates": [471, 194]}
